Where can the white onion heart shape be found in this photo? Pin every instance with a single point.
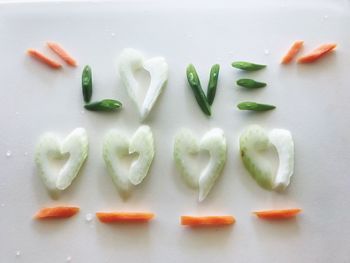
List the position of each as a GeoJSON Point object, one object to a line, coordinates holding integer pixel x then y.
{"type": "Point", "coordinates": [117, 145]}
{"type": "Point", "coordinates": [132, 60]}
{"type": "Point", "coordinates": [254, 142]}
{"type": "Point", "coordinates": [187, 144]}
{"type": "Point", "coordinates": [51, 147]}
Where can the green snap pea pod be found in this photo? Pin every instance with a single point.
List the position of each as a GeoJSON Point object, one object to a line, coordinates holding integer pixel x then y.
{"type": "Point", "coordinates": [250, 83]}
{"type": "Point", "coordinates": [195, 85]}
{"type": "Point", "coordinates": [253, 106]}
{"type": "Point", "coordinates": [213, 82]}
{"type": "Point", "coordinates": [104, 105]}
{"type": "Point", "coordinates": [247, 66]}
{"type": "Point", "coordinates": [86, 82]}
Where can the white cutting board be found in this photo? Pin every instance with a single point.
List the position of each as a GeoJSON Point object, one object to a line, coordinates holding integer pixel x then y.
{"type": "Point", "coordinates": [313, 102]}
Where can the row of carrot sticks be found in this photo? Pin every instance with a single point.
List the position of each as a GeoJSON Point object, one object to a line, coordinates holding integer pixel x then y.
{"type": "Point", "coordinates": [61, 212]}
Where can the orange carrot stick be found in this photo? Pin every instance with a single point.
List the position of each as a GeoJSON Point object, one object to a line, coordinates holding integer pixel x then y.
{"type": "Point", "coordinates": [62, 53]}
{"type": "Point", "coordinates": [56, 212]}
{"type": "Point", "coordinates": [278, 214]}
{"type": "Point", "coordinates": [207, 220]}
{"type": "Point", "coordinates": [317, 53]}
{"type": "Point", "coordinates": [115, 217]}
{"type": "Point", "coordinates": [292, 52]}
{"type": "Point", "coordinates": [44, 59]}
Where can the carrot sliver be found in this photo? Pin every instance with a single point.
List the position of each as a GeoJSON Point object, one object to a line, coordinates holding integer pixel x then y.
{"type": "Point", "coordinates": [292, 52]}
{"type": "Point", "coordinates": [207, 220]}
{"type": "Point", "coordinates": [56, 212]}
{"type": "Point", "coordinates": [115, 217]}
{"type": "Point", "coordinates": [318, 53]}
{"type": "Point", "coordinates": [278, 214]}
{"type": "Point", "coordinates": [62, 53]}
{"type": "Point", "coordinates": [44, 59]}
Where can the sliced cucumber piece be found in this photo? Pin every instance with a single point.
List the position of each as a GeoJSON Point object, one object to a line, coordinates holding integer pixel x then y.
{"type": "Point", "coordinates": [116, 145]}
{"type": "Point", "coordinates": [51, 147]}
{"type": "Point", "coordinates": [253, 142]}
{"type": "Point", "coordinates": [186, 144]}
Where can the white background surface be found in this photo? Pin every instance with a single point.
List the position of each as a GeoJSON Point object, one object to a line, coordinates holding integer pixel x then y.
{"type": "Point", "coordinates": [312, 102]}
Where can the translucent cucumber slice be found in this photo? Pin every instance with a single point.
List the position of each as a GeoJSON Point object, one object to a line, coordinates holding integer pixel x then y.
{"type": "Point", "coordinates": [254, 141]}
{"type": "Point", "coordinates": [75, 145]}
{"type": "Point", "coordinates": [215, 143]}
{"type": "Point", "coordinates": [143, 144]}
{"type": "Point", "coordinates": [185, 145]}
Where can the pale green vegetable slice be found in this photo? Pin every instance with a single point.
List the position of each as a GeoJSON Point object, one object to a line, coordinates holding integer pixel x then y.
{"type": "Point", "coordinates": [215, 143]}
{"type": "Point", "coordinates": [116, 146]}
{"type": "Point", "coordinates": [50, 146]}
{"type": "Point", "coordinates": [187, 145]}
{"type": "Point", "coordinates": [132, 60]}
{"type": "Point", "coordinates": [143, 144]}
{"type": "Point", "coordinates": [254, 142]}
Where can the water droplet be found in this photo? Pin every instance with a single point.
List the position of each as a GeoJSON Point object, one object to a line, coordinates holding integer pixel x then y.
{"type": "Point", "coordinates": [112, 34]}
{"type": "Point", "coordinates": [69, 259]}
{"type": "Point", "coordinates": [88, 218]}
{"type": "Point", "coordinates": [266, 51]}
{"type": "Point", "coordinates": [18, 253]}
{"type": "Point", "coordinates": [25, 153]}
{"type": "Point", "coordinates": [17, 113]}
{"type": "Point", "coordinates": [82, 112]}
{"type": "Point", "coordinates": [189, 35]}
{"type": "Point", "coordinates": [2, 205]}
{"type": "Point", "coordinates": [325, 17]}
{"type": "Point", "coordinates": [8, 154]}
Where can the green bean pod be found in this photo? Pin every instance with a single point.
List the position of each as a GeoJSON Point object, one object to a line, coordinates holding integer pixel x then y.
{"type": "Point", "coordinates": [213, 82]}
{"type": "Point", "coordinates": [253, 106]}
{"type": "Point", "coordinates": [86, 82]}
{"type": "Point", "coordinates": [195, 85]}
{"type": "Point", "coordinates": [104, 105]}
{"type": "Point", "coordinates": [250, 83]}
{"type": "Point", "coordinates": [247, 66]}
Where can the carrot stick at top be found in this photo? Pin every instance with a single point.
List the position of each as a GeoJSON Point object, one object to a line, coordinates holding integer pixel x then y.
{"type": "Point", "coordinates": [55, 47]}
{"type": "Point", "coordinates": [44, 59]}
{"type": "Point", "coordinates": [316, 54]}
{"type": "Point", "coordinates": [292, 52]}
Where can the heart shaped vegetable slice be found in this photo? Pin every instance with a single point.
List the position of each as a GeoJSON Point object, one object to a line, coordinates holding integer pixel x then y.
{"type": "Point", "coordinates": [187, 144]}
{"type": "Point", "coordinates": [117, 145]}
{"type": "Point", "coordinates": [130, 61]}
{"type": "Point", "coordinates": [253, 142]}
{"type": "Point", "coordinates": [75, 144]}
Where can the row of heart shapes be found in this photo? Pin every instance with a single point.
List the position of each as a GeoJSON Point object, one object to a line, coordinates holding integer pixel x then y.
{"type": "Point", "coordinates": [117, 145]}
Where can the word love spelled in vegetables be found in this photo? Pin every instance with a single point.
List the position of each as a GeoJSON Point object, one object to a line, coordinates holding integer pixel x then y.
{"type": "Point", "coordinates": [131, 61]}
{"type": "Point", "coordinates": [254, 142]}
{"type": "Point", "coordinates": [117, 145]}
{"type": "Point", "coordinates": [50, 147]}
{"type": "Point", "coordinates": [187, 144]}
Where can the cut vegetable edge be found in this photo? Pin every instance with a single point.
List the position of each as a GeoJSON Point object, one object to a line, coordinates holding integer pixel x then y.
{"type": "Point", "coordinates": [206, 221]}
{"type": "Point", "coordinates": [278, 214]}
{"type": "Point", "coordinates": [317, 53]}
{"type": "Point", "coordinates": [57, 212]}
{"type": "Point", "coordinates": [43, 59]}
{"type": "Point", "coordinates": [63, 54]}
{"type": "Point", "coordinates": [124, 217]}
{"type": "Point", "coordinates": [292, 52]}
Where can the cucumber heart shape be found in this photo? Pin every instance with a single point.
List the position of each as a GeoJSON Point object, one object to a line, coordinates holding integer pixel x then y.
{"type": "Point", "coordinates": [132, 60]}
{"type": "Point", "coordinates": [186, 144]}
{"type": "Point", "coordinates": [253, 142]}
{"type": "Point", "coordinates": [117, 145]}
{"type": "Point", "coordinates": [50, 146]}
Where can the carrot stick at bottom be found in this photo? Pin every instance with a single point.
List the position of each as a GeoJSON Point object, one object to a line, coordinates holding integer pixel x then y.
{"type": "Point", "coordinates": [207, 220]}
{"type": "Point", "coordinates": [317, 53]}
{"type": "Point", "coordinates": [278, 214]}
{"type": "Point", "coordinates": [294, 49]}
{"type": "Point", "coordinates": [114, 217]}
{"type": "Point", "coordinates": [44, 59]}
{"type": "Point", "coordinates": [56, 212]}
{"type": "Point", "coordinates": [62, 53]}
